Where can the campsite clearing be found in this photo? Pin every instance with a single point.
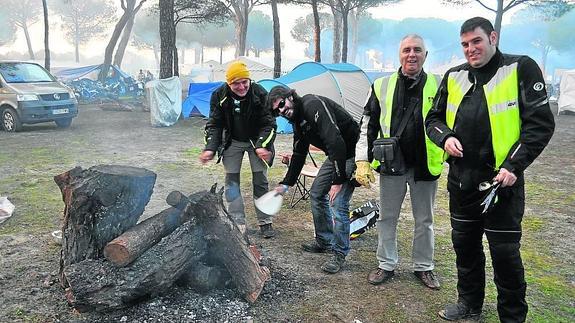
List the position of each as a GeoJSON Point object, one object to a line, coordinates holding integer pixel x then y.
{"type": "Point", "coordinates": [298, 291]}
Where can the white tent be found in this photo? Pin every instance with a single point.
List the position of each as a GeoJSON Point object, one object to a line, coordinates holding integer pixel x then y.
{"type": "Point", "coordinates": [566, 100]}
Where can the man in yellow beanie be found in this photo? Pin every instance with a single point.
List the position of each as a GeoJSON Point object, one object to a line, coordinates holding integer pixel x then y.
{"type": "Point", "coordinates": [240, 122]}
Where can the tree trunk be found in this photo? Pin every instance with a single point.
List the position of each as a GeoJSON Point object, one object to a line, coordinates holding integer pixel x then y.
{"type": "Point", "coordinates": [114, 39]}
{"type": "Point", "coordinates": [119, 56]}
{"type": "Point", "coordinates": [233, 250]}
{"type": "Point", "coordinates": [100, 203]}
{"type": "Point", "coordinates": [197, 53]}
{"type": "Point", "coordinates": [167, 38]}
{"type": "Point", "coordinates": [336, 55]}
{"type": "Point", "coordinates": [221, 54]}
{"type": "Point", "coordinates": [355, 35]}
{"type": "Point", "coordinates": [77, 43]}
{"type": "Point", "coordinates": [46, 37]}
{"type": "Point", "coordinates": [344, 17]}
{"type": "Point", "coordinates": [176, 62]}
{"type": "Point", "coordinates": [316, 32]}
{"type": "Point", "coordinates": [498, 18]}
{"type": "Point", "coordinates": [156, 56]}
{"type": "Point", "coordinates": [241, 11]}
{"type": "Point", "coordinates": [277, 40]}
{"type": "Point", "coordinates": [99, 285]}
{"type": "Point", "coordinates": [28, 42]}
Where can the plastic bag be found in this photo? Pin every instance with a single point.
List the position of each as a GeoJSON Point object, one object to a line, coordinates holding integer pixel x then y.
{"type": "Point", "coordinates": [6, 208]}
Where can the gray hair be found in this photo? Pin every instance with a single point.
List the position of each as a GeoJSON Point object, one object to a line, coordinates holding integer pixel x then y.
{"type": "Point", "coordinates": [414, 36]}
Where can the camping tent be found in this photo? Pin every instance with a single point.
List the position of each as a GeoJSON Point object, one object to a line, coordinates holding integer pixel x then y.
{"type": "Point", "coordinates": [344, 83]}
{"type": "Point", "coordinates": [198, 101]}
{"type": "Point", "coordinates": [566, 100]}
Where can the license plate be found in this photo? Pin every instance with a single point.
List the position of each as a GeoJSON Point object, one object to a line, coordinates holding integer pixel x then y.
{"type": "Point", "coordinates": [60, 111]}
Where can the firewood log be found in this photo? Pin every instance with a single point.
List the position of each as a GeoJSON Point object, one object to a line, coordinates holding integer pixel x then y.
{"type": "Point", "coordinates": [101, 286]}
{"type": "Point", "coordinates": [132, 243]}
{"type": "Point", "coordinates": [100, 203]}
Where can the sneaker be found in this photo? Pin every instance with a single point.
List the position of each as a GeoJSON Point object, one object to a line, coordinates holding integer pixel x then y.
{"type": "Point", "coordinates": [334, 264]}
{"type": "Point", "coordinates": [459, 311]}
{"type": "Point", "coordinates": [315, 247]}
{"type": "Point", "coordinates": [379, 276]}
{"type": "Point", "coordinates": [267, 231]}
{"type": "Point", "coordinates": [428, 279]}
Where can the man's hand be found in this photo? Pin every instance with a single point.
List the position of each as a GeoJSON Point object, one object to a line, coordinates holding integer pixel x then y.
{"type": "Point", "coordinates": [333, 191]}
{"type": "Point", "coordinates": [281, 189]}
{"type": "Point", "coordinates": [206, 156]}
{"type": "Point", "coordinates": [505, 177]}
{"type": "Point", "coordinates": [264, 154]}
{"type": "Point", "coordinates": [453, 147]}
{"type": "Point", "coordinates": [363, 173]}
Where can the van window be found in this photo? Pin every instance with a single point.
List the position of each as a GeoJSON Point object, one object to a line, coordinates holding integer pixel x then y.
{"type": "Point", "coordinates": [24, 73]}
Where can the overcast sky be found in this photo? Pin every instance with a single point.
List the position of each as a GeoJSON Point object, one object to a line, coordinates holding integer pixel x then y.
{"type": "Point", "coordinates": [288, 14]}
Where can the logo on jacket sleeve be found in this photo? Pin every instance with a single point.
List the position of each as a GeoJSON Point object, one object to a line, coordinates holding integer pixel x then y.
{"type": "Point", "coordinates": [538, 86]}
{"type": "Point", "coordinates": [316, 116]}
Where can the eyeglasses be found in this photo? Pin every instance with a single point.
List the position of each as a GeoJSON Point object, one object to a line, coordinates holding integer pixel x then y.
{"type": "Point", "coordinates": [281, 105]}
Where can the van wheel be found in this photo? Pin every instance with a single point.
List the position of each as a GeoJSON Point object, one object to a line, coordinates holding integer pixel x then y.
{"type": "Point", "coordinates": [63, 123]}
{"type": "Point", "coordinates": [10, 120]}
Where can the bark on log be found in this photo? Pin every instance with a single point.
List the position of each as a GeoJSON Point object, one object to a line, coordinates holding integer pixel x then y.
{"type": "Point", "coordinates": [231, 248]}
{"type": "Point", "coordinates": [100, 203]}
{"type": "Point", "coordinates": [99, 285]}
{"type": "Point", "coordinates": [132, 243]}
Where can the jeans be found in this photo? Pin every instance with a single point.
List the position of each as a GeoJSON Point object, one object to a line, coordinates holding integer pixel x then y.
{"type": "Point", "coordinates": [331, 222]}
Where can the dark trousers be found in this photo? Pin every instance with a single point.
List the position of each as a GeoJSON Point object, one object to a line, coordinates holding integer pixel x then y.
{"type": "Point", "coordinates": [502, 227]}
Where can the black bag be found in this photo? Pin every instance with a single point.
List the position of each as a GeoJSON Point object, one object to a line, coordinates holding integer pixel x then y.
{"type": "Point", "coordinates": [387, 150]}
{"type": "Point", "coordinates": [389, 154]}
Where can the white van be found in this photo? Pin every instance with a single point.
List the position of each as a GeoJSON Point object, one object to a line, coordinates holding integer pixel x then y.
{"type": "Point", "coordinates": [30, 94]}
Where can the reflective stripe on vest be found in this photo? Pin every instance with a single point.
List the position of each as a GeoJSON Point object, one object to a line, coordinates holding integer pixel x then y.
{"type": "Point", "coordinates": [502, 98]}
{"type": "Point", "coordinates": [386, 86]}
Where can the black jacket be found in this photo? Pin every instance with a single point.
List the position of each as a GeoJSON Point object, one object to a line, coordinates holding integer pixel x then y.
{"type": "Point", "coordinates": [257, 120]}
{"type": "Point", "coordinates": [330, 128]}
{"type": "Point", "coordinates": [472, 127]}
{"type": "Point", "coordinates": [412, 140]}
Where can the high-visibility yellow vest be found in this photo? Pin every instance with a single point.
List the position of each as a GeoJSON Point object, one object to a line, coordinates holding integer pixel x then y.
{"type": "Point", "coordinates": [384, 90]}
{"type": "Point", "coordinates": [502, 97]}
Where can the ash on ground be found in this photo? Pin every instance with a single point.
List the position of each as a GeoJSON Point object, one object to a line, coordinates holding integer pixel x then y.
{"type": "Point", "coordinates": [182, 304]}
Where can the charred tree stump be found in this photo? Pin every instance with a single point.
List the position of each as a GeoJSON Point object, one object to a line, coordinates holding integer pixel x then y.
{"type": "Point", "coordinates": [100, 203]}
{"type": "Point", "coordinates": [229, 247]}
{"type": "Point", "coordinates": [99, 285]}
{"type": "Point", "coordinates": [132, 243]}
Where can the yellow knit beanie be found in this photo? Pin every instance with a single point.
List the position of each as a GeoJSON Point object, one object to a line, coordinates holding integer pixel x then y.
{"type": "Point", "coordinates": [237, 70]}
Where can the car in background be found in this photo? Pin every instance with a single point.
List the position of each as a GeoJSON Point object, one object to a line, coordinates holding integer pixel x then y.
{"type": "Point", "coordinates": [30, 94]}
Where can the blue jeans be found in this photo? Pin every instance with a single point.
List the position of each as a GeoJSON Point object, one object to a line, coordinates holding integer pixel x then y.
{"type": "Point", "coordinates": [331, 222]}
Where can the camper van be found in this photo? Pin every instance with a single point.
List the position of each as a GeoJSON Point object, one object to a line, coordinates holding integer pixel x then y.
{"type": "Point", "coordinates": [30, 94]}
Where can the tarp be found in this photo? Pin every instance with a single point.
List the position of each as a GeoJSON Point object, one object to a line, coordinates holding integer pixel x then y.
{"type": "Point", "coordinates": [89, 72]}
{"type": "Point", "coordinates": [84, 82]}
{"type": "Point", "coordinates": [344, 83]}
{"type": "Point", "coordinates": [165, 101]}
{"type": "Point", "coordinates": [566, 101]}
{"type": "Point", "coordinates": [197, 103]}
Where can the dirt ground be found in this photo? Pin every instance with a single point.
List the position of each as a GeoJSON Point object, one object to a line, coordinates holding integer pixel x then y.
{"type": "Point", "coordinates": [298, 290]}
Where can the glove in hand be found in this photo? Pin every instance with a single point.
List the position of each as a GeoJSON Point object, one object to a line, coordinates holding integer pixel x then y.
{"type": "Point", "coordinates": [364, 173]}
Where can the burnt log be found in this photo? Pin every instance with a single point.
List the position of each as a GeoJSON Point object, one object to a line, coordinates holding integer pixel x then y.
{"type": "Point", "coordinates": [100, 203]}
{"type": "Point", "coordinates": [132, 243]}
{"type": "Point", "coordinates": [203, 278]}
{"type": "Point", "coordinates": [230, 248]}
{"type": "Point", "coordinates": [99, 285]}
